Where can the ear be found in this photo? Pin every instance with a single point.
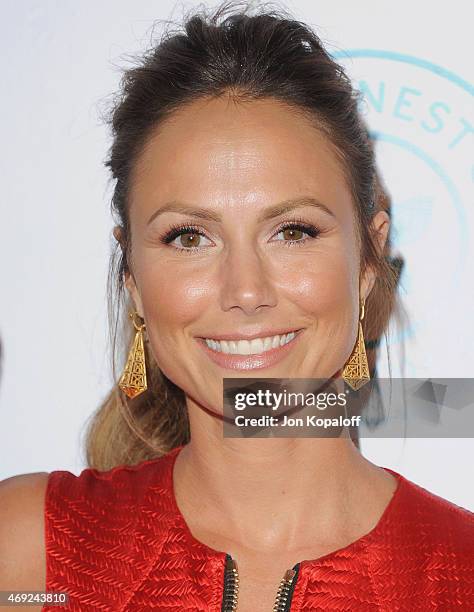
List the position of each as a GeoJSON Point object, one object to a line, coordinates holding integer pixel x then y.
{"type": "Point", "coordinates": [130, 284]}
{"type": "Point", "coordinates": [118, 234]}
{"type": "Point", "coordinates": [129, 280]}
{"type": "Point", "coordinates": [379, 227]}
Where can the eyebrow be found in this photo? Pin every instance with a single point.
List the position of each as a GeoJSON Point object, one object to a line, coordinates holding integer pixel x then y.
{"type": "Point", "coordinates": [268, 213]}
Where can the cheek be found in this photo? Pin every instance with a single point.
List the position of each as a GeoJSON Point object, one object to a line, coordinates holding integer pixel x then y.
{"type": "Point", "coordinates": [325, 285]}
{"type": "Point", "coordinates": [173, 300]}
{"type": "Point", "coordinates": [325, 290]}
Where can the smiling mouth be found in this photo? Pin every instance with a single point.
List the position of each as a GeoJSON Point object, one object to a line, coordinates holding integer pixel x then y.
{"type": "Point", "coordinates": [257, 346]}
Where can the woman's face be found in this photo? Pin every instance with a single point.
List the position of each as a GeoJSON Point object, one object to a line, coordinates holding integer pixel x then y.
{"type": "Point", "coordinates": [242, 269]}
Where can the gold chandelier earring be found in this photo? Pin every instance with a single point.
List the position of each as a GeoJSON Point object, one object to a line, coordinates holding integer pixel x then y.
{"type": "Point", "coordinates": [356, 371]}
{"type": "Point", "coordinates": [133, 380]}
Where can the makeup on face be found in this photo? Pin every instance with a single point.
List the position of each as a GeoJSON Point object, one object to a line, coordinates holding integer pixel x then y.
{"type": "Point", "coordinates": [244, 247]}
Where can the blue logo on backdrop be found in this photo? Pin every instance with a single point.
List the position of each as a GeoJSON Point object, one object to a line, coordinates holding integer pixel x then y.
{"type": "Point", "coordinates": [418, 114]}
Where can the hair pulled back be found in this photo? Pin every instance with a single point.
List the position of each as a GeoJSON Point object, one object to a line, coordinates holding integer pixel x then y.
{"type": "Point", "coordinates": [230, 52]}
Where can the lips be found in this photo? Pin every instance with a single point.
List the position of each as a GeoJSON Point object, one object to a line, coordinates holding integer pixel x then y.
{"type": "Point", "coordinates": [250, 362]}
{"type": "Point", "coordinates": [250, 347]}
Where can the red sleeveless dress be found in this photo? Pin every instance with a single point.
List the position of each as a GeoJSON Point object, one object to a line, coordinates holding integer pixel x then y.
{"type": "Point", "coordinates": [117, 541]}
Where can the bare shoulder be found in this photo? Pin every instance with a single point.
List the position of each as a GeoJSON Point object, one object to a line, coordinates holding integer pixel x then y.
{"type": "Point", "coordinates": [22, 545]}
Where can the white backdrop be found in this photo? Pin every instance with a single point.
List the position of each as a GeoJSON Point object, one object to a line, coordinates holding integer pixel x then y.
{"type": "Point", "coordinates": [60, 61]}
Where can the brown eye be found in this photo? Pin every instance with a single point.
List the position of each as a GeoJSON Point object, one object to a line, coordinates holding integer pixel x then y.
{"type": "Point", "coordinates": [190, 239]}
{"type": "Point", "coordinates": [293, 234]}
{"type": "Point", "coordinates": [185, 238]}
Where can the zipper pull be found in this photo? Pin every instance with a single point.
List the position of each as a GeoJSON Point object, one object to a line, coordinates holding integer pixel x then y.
{"type": "Point", "coordinates": [283, 598]}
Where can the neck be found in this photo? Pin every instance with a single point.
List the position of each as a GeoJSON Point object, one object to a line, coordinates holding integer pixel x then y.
{"type": "Point", "coordinates": [259, 490]}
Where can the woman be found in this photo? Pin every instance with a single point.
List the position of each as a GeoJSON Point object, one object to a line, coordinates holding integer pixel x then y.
{"type": "Point", "coordinates": [247, 207]}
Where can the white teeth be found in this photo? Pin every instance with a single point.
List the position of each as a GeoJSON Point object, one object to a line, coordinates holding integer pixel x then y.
{"type": "Point", "coordinates": [249, 347]}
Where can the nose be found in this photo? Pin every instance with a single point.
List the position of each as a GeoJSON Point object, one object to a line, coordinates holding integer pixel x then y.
{"type": "Point", "coordinates": [247, 280]}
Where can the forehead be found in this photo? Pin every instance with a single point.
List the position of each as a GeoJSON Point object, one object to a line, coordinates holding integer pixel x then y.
{"type": "Point", "coordinates": [232, 155]}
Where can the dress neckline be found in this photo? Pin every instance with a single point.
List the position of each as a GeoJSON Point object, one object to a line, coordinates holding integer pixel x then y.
{"type": "Point", "coordinates": [386, 517]}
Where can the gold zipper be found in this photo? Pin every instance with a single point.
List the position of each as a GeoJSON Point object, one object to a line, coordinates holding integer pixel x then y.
{"type": "Point", "coordinates": [231, 585]}
{"type": "Point", "coordinates": [283, 598]}
{"type": "Point", "coordinates": [231, 588]}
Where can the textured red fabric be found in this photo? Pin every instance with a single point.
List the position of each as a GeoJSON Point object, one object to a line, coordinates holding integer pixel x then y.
{"type": "Point", "coordinates": [116, 540]}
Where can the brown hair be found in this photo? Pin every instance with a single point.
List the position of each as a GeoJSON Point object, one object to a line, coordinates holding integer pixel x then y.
{"type": "Point", "coordinates": [249, 57]}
